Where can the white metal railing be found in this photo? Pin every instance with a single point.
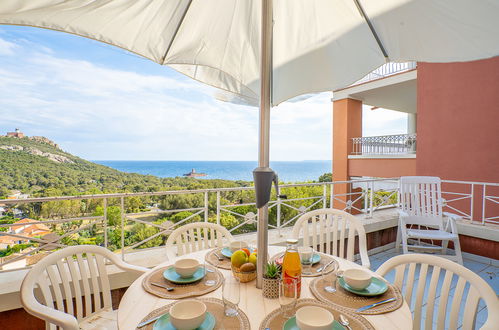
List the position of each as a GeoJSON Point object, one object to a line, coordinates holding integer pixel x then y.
{"type": "Point", "coordinates": [386, 70]}
{"type": "Point", "coordinates": [129, 229]}
{"type": "Point", "coordinates": [477, 202]}
{"type": "Point", "coordinates": [384, 145]}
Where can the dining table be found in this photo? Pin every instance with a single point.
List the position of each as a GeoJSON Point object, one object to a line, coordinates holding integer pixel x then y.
{"type": "Point", "coordinates": [137, 303]}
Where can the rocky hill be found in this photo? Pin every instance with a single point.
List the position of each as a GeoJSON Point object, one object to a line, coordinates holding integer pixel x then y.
{"type": "Point", "coordinates": [37, 166]}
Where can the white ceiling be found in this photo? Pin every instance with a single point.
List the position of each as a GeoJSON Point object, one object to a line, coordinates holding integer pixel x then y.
{"type": "Point", "coordinates": [397, 92]}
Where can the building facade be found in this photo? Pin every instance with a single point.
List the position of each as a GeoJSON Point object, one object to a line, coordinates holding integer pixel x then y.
{"type": "Point", "coordinates": [452, 132]}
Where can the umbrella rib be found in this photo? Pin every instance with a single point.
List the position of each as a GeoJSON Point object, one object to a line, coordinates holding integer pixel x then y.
{"type": "Point", "coordinates": [371, 27]}
{"type": "Point", "coordinates": [176, 31]}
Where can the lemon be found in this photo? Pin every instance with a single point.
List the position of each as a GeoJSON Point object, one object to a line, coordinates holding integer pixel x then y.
{"type": "Point", "coordinates": [252, 258]}
{"type": "Point", "coordinates": [239, 258]}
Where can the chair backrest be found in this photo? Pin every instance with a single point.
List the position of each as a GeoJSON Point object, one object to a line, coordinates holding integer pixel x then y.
{"type": "Point", "coordinates": [434, 281]}
{"type": "Point", "coordinates": [196, 237]}
{"type": "Point", "coordinates": [74, 285]}
{"type": "Point", "coordinates": [420, 198]}
{"type": "Point", "coordinates": [333, 232]}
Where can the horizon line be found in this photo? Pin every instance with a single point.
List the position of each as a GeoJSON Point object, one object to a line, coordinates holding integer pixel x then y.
{"type": "Point", "coordinates": [187, 160]}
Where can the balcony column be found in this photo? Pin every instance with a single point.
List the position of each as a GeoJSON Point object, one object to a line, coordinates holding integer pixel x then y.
{"type": "Point", "coordinates": [347, 124]}
{"type": "Point", "coordinates": [411, 123]}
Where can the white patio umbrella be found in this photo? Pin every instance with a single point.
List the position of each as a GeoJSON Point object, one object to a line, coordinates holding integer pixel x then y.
{"type": "Point", "coordinates": [266, 54]}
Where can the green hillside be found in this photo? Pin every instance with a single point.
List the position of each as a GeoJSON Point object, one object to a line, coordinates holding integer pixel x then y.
{"type": "Point", "coordinates": [42, 169]}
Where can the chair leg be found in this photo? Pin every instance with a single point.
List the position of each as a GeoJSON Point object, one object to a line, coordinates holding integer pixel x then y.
{"type": "Point", "coordinates": [457, 249]}
{"type": "Point", "coordinates": [403, 234]}
{"type": "Point", "coordinates": [397, 240]}
{"type": "Point", "coordinates": [444, 247]}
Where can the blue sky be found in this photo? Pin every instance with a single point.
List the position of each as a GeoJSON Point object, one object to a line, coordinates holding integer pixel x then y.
{"type": "Point", "coordinates": [102, 103]}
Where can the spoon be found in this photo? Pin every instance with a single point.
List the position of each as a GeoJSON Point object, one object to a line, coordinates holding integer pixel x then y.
{"type": "Point", "coordinates": [324, 266]}
{"type": "Point", "coordinates": [344, 321]}
{"type": "Point", "coordinates": [168, 288]}
{"type": "Point", "coordinates": [218, 256]}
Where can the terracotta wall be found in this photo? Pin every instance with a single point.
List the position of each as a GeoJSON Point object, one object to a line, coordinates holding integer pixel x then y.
{"type": "Point", "coordinates": [382, 167]}
{"type": "Point", "coordinates": [458, 120]}
{"type": "Point", "coordinates": [458, 134]}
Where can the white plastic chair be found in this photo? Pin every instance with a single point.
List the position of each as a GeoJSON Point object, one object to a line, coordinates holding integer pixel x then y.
{"type": "Point", "coordinates": [333, 232]}
{"type": "Point", "coordinates": [75, 289]}
{"type": "Point", "coordinates": [196, 237]}
{"type": "Point", "coordinates": [421, 205]}
{"type": "Point", "coordinates": [440, 272]}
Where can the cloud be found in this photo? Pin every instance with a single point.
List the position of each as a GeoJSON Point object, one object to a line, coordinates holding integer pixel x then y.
{"type": "Point", "coordinates": [7, 48]}
{"type": "Point", "coordinates": [102, 104]}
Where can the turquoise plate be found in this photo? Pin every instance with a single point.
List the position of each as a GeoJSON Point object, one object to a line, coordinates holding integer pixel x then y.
{"type": "Point", "coordinates": [291, 325]}
{"type": "Point", "coordinates": [226, 252]}
{"type": "Point", "coordinates": [171, 275]}
{"type": "Point", "coordinates": [163, 323]}
{"type": "Point", "coordinates": [315, 258]}
{"type": "Point", "coordinates": [376, 287]}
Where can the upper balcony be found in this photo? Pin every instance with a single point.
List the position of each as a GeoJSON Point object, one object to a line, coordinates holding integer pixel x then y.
{"type": "Point", "coordinates": [392, 86]}
{"type": "Point", "coordinates": [386, 70]}
{"type": "Point", "coordinates": [386, 145]}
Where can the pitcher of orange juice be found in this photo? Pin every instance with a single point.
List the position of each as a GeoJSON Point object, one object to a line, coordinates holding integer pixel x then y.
{"type": "Point", "coordinates": [291, 265]}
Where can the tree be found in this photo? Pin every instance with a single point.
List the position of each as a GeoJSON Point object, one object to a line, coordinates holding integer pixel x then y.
{"type": "Point", "coordinates": [113, 215]}
{"type": "Point", "coordinates": [183, 215]}
{"type": "Point", "coordinates": [326, 177]}
{"type": "Point", "coordinates": [226, 220]}
{"type": "Point", "coordinates": [143, 232]}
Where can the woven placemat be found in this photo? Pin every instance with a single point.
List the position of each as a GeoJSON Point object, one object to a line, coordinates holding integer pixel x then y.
{"type": "Point", "coordinates": [180, 291]}
{"type": "Point", "coordinates": [275, 319]}
{"type": "Point", "coordinates": [215, 307]}
{"type": "Point", "coordinates": [213, 259]}
{"type": "Point", "coordinates": [325, 259]}
{"type": "Point", "coordinates": [352, 301]}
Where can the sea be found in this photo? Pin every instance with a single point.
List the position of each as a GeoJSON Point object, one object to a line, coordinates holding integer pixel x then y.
{"type": "Point", "coordinates": [288, 171]}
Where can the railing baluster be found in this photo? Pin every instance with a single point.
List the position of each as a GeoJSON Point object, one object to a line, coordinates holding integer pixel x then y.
{"type": "Point", "coordinates": [122, 209]}
{"type": "Point", "coordinates": [218, 207]}
{"type": "Point", "coordinates": [371, 200]}
{"type": "Point", "coordinates": [472, 202]}
{"type": "Point", "coordinates": [105, 222]}
{"type": "Point", "coordinates": [483, 203]}
{"type": "Point", "coordinates": [324, 195]}
{"type": "Point", "coordinates": [278, 215]}
{"type": "Point", "coordinates": [206, 206]}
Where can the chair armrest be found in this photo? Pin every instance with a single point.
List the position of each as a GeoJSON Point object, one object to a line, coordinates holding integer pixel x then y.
{"type": "Point", "coordinates": [402, 213]}
{"type": "Point", "coordinates": [133, 268]}
{"type": "Point", "coordinates": [364, 258]}
{"type": "Point", "coordinates": [61, 319]}
{"type": "Point", "coordinates": [124, 265]}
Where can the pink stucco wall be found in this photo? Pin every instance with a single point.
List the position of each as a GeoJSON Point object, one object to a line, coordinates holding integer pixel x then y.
{"type": "Point", "coordinates": [458, 120]}
{"type": "Point", "coordinates": [458, 128]}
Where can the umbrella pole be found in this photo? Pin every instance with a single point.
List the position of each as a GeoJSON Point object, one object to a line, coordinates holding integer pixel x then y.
{"type": "Point", "coordinates": [264, 131]}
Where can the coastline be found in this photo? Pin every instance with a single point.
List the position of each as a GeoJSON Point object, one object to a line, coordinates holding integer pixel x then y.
{"type": "Point", "coordinates": [288, 171]}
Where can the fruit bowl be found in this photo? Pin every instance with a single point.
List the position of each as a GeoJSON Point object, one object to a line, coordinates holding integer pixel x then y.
{"type": "Point", "coordinates": [243, 276]}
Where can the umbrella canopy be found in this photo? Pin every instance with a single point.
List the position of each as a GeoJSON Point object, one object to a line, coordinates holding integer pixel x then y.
{"type": "Point", "coordinates": [268, 51]}
{"type": "Point", "coordinates": [317, 45]}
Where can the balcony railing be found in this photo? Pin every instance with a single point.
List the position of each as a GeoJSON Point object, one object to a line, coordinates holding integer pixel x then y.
{"type": "Point", "coordinates": [384, 145]}
{"type": "Point", "coordinates": [123, 228]}
{"type": "Point", "coordinates": [386, 70]}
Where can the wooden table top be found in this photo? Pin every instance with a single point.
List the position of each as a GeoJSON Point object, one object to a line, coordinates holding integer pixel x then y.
{"type": "Point", "coordinates": [137, 303]}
